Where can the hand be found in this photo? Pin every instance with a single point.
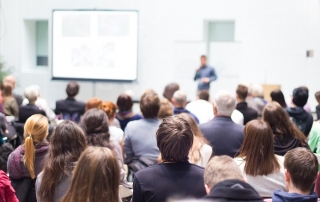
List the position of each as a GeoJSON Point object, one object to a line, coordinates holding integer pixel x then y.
{"type": "Point", "coordinates": [205, 80]}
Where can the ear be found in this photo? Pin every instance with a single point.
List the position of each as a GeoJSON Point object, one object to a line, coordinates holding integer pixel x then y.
{"type": "Point", "coordinates": [172, 100]}
{"type": "Point", "coordinates": [215, 111]}
{"type": "Point", "coordinates": [287, 176]}
{"type": "Point", "coordinates": [245, 179]}
{"type": "Point", "coordinates": [207, 188]}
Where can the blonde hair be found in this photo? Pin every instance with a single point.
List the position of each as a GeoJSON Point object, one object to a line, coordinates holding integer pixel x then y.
{"type": "Point", "coordinates": [35, 131]}
{"type": "Point", "coordinates": [166, 109]}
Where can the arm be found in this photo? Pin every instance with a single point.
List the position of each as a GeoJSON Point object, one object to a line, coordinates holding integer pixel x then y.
{"type": "Point", "coordinates": [127, 146]}
{"type": "Point", "coordinates": [137, 192]}
{"type": "Point", "coordinates": [197, 76]}
{"type": "Point", "coordinates": [213, 75]}
{"type": "Point", "coordinates": [14, 108]}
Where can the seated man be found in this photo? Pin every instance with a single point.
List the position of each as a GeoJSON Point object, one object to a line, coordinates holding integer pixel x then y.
{"type": "Point", "coordinates": [222, 133]}
{"type": "Point", "coordinates": [175, 176]}
{"type": "Point", "coordinates": [169, 90]}
{"type": "Point", "coordinates": [249, 114]}
{"type": "Point", "coordinates": [254, 98]}
{"type": "Point", "coordinates": [302, 119]}
{"type": "Point", "coordinates": [201, 107]}
{"type": "Point", "coordinates": [301, 172]}
{"type": "Point", "coordinates": [71, 109]}
{"type": "Point", "coordinates": [179, 101]}
{"type": "Point", "coordinates": [224, 182]}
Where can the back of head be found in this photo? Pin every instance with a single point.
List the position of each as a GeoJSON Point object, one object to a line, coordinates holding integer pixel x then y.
{"type": "Point", "coordinates": [72, 89]}
{"type": "Point", "coordinates": [302, 165]}
{"type": "Point", "coordinates": [174, 139]}
{"type": "Point", "coordinates": [6, 89]}
{"type": "Point", "coordinates": [93, 103]}
{"type": "Point", "coordinates": [242, 92]}
{"type": "Point", "coordinates": [35, 131]}
{"type": "Point", "coordinates": [317, 95]}
{"type": "Point", "coordinates": [300, 96]}
{"type": "Point", "coordinates": [165, 109]}
{"type": "Point", "coordinates": [179, 98]}
{"type": "Point", "coordinates": [221, 168]}
{"type": "Point", "coordinates": [31, 93]}
{"type": "Point", "coordinates": [9, 80]}
{"type": "Point", "coordinates": [109, 108]}
{"type": "Point", "coordinates": [96, 177]}
{"type": "Point", "coordinates": [225, 103]}
{"type": "Point", "coordinates": [169, 90]}
{"type": "Point", "coordinates": [204, 95]}
{"type": "Point", "coordinates": [95, 124]}
{"type": "Point", "coordinates": [277, 96]}
{"type": "Point", "coordinates": [149, 104]}
{"type": "Point", "coordinates": [124, 103]}
{"type": "Point", "coordinates": [256, 90]}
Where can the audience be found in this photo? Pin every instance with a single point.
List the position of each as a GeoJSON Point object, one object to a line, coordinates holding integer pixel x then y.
{"type": "Point", "coordinates": [165, 109]}
{"type": "Point", "coordinates": [286, 135]}
{"type": "Point", "coordinates": [201, 107]}
{"type": "Point", "coordinates": [12, 81]}
{"type": "Point", "coordinates": [169, 90]}
{"type": "Point", "coordinates": [7, 193]}
{"type": "Point", "coordinates": [254, 99]}
{"type": "Point", "coordinates": [125, 114]}
{"type": "Point", "coordinates": [9, 102]}
{"type": "Point", "coordinates": [95, 178]}
{"type": "Point", "coordinates": [66, 145]}
{"type": "Point", "coordinates": [175, 176]}
{"type": "Point", "coordinates": [179, 101]}
{"type": "Point", "coordinates": [317, 95]}
{"type": "Point", "coordinates": [93, 103]}
{"type": "Point", "coordinates": [261, 168]}
{"type": "Point", "coordinates": [70, 108]}
{"type": "Point", "coordinates": [224, 182]}
{"type": "Point", "coordinates": [277, 96]}
{"type": "Point", "coordinates": [222, 133]}
{"type": "Point", "coordinates": [301, 172]}
{"type": "Point", "coordinates": [249, 114]}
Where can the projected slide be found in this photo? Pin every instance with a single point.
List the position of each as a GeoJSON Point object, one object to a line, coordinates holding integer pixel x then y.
{"type": "Point", "coordinates": [94, 45]}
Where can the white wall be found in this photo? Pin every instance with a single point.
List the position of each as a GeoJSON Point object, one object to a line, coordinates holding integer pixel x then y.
{"type": "Point", "coordinates": [271, 36]}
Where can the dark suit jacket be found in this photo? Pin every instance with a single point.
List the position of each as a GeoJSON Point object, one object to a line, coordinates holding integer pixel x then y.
{"type": "Point", "coordinates": [28, 110]}
{"type": "Point", "coordinates": [224, 135]}
{"type": "Point", "coordinates": [249, 114]}
{"type": "Point", "coordinates": [70, 109]}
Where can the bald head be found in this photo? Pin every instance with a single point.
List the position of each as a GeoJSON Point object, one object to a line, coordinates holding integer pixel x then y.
{"type": "Point", "coordinates": [10, 80]}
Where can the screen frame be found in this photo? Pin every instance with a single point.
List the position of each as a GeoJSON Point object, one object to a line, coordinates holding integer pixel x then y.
{"type": "Point", "coordinates": [91, 79]}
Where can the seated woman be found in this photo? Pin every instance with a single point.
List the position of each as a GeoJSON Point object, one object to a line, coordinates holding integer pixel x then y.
{"type": "Point", "coordinates": [9, 102]}
{"type": "Point", "coordinates": [286, 135]}
{"type": "Point", "coordinates": [277, 96]}
{"type": "Point", "coordinates": [262, 169]}
{"type": "Point", "coordinates": [66, 145]}
{"type": "Point", "coordinates": [96, 177]}
{"type": "Point", "coordinates": [93, 103]}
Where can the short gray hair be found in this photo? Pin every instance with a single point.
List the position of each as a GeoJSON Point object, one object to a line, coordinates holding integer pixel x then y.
{"type": "Point", "coordinates": [225, 102]}
{"type": "Point", "coordinates": [256, 90]}
{"type": "Point", "coordinates": [32, 92]}
{"type": "Point", "coordinates": [180, 96]}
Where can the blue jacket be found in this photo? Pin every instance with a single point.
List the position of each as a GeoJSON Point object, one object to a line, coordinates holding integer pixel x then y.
{"type": "Point", "coordinates": [205, 72]}
{"type": "Point", "coordinates": [183, 110]}
{"type": "Point", "coordinates": [281, 196]}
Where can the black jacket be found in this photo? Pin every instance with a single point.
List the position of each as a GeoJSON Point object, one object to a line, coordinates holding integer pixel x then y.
{"type": "Point", "coordinates": [302, 119]}
{"type": "Point", "coordinates": [233, 190]}
{"type": "Point", "coordinates": [28, 110]}
{"type": "Point", "coordinates": [283, 144]}
{"type": "Point", "coordinates": [70, 109]}
{"type": "Point", "coordinates": [249, 114]}
{"type": "Point", "coordinates": [318, 111]}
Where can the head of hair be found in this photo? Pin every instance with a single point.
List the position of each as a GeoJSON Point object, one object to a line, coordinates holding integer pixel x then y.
{"type": "Point", "coordinates": [174, 139]}
{"type": "Point", "coordinates": [36, 130]}
{"type": "Point", "coordinates": [221, 168]}
{"type": "Point", "coordinates": [149, 104]}
{"type": "Point", "coordinates": [256, 90]}
{"type": "Point", "coordinates": [305, 88]}
{"type": "Point", "coordinates": [225, 103]}
{"type": "Point", "coordinates": [110, 109]}
{"type": "Point", "coordinates": [203, 56]}
{"type": "Point", "coordinates": [95, 124]}
{"type": "Point", "coordinates": [300, 96]}
{"type": "Point", "coordinates": [302, 166]}
{"type": "Point", "coordinates": [66, 145]}
{"type": "Point", "coordinates": [6, 90]}
{"type": "Point", "coordinates": [179, 97]}
{"type": "Point", "coordinates": [280, 122]}
{"type": "Point", "coordinates": [204, 95]}
{"type": "Point", "coordinates": [277, 96]}
{"type": "Point", "coordinates": [242, 91]}
{"type": "Point", "coordinates": [72, 89]}
{"type": "Point", "coordinates": [10, 80]}
{"type": "Point", "coordinates": [96, 177]}
{"type": "Point", "coordinates": [257, 149]}
{"type": "Point", "coordinates": [31, 93]}
{"type": "Point", "coordinates": [169, 90]}
{"type": "Point", "coordinates": [317, 95]}
{"type": "Point", "coordinates": [124, 103]}
{"type": "Point", "coordinates": [93, 103]}
{"type": "Point", "coordinates": [165, 109]}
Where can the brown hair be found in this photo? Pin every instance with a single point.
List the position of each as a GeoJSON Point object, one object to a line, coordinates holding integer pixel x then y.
{"type": "Point", "coordinates": [150, 104]}
{"type": "Point", "coordinates": [66, 145]}
{"type": "Point", "coordinates": [317, 95]}
{"type": "Point", "coordinates": [93, 103]}
{"type": "Point", "coordinates": [95, 177]}
{"type": "Point", "coordinates": [302, 165]}
{"type": "Point", "coordinates": [174, 139]}
{"type": "Point", "coordinates": [6, 90]}
{"type": "Point", "coordinates": [165, 109]}
{"type": "Point", "coordinates": [280, 123]}
{"type": "Point", "coordinates": [169, 90]}
{"type": "Point", "coordinates": [204, 95]}
{"type": "Point", "coordinates": [242, 91]}
{"type": "Point", "coordinates": [109, 108]}
{"type": "Point", "coordinates": [72, 89]}
{"type": "Point", "coordinates": [257, 149]}
{"type": "Point", "coordinates": [124, 103]}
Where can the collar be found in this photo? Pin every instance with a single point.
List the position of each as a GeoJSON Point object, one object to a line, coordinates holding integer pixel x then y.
{"type": "Point", "coordinates": [242, 105]}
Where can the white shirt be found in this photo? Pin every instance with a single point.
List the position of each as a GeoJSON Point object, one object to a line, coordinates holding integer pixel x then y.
{"type": "Point", "coordinates": [202, 109]}
{"type": "Point", "coordinates": [265, 185]}
{"type": "Point", "coordinates": [206, 152]}
{"type": "Point", "coordinates": [237, 117]}
{"type": "Point", "coordinates": [116, 134]}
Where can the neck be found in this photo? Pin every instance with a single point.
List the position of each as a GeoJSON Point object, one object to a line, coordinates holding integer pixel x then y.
{"type": "Point", "coordinates": [221, 115]}
{"type": "Point", "coordinates": [292, 189]}
{"type": "Point", "coordinates": [241, 100]}
{"type": "Point", "coordinates": [32, 103]}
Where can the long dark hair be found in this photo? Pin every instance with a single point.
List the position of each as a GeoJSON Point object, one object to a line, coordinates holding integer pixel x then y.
{"type": "Point", "coordinates": [278, 96]}
{"type": "Point", "coordinates": [257, 149]}
{"type": "Point", "coordinates": [66, 145]}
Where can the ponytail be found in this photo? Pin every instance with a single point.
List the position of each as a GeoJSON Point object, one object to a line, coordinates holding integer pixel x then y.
{"type": "Point", "coordinates": [28, 157]}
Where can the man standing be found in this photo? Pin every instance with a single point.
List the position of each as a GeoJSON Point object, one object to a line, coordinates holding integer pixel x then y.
{"type": "Point", "coordinates": [205, 74]}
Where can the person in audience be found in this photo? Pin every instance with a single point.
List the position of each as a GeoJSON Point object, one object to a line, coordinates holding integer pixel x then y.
{"type": "Point", "coordinates": [224, 182]}
{"type": "Point", "coordinates": [179, 101]}
{"type": "Point", "coordinates": [175, 176]}
{"type": "Point", "coordinates": [93, 103]}
{"type": "Point", "coordinates": [307, 105]}
{"type": "Point", "coordinates": [125, 114]}
{"type": "Point", "coordinates": [139, 136]}
{"type": "Point", "coordinates": [9, 102]}
{"type": "Point", "coordinates": [261, 168]}
{"type": "Point", "coordinates": [301, 172]}
{"type": "Point", "coordinates": [70, 108]}
{"type": "Point", "coordinates": [254, 98]}
{"type": "Point", "coordinates": [7, 193]}
{"type": "Point", "coordinates": [66, 145]}
{"type": "Point", "coordinates": [317, 95]}
{"type": "Point", "coordinates": [302, 119]}
{"type": "Point", "coordinates": [200, 151]}
{"type": "Point", "coordinates": [96, 177]}
{"type": "Point", "coordinates": [249, 114]}
{"type": "Point", "coordinates": [277, 96]}
{"type": "Point", "coordinates": [286, 135]}
{"type": "Point", "coordinates": [30, 109]}
{"type": "Point", "coordinates": [11, 80]}
{"type": "Point", "coordinates": [116, 134]}
{"type": "Point", "coordinates": [314, 138]}
{"type": "Point", "coordinates": [169, 90]}
{"type": "Point", "coordinates": [201, 107]}
{"type": "Point", "coordinates": [165, 109]}
{"type": "Point", "coordinates": [222, 133]}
